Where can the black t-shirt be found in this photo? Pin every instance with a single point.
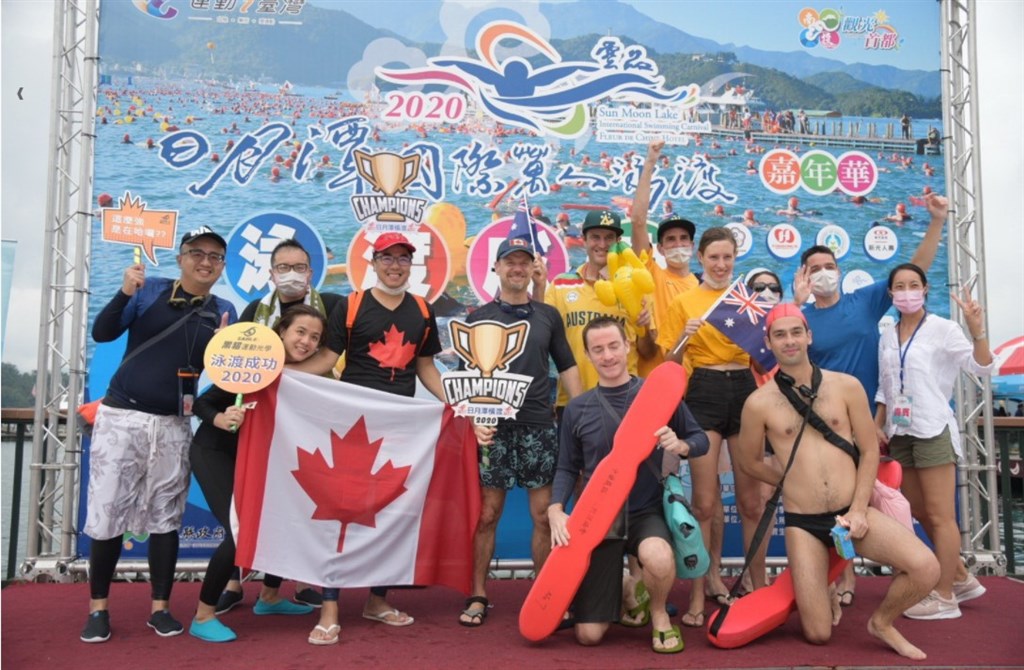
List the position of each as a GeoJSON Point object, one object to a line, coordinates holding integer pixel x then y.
{"type": "Point", "coordinates": [382, 348]}
{"type": "Point", "coordinates": [545, 339]}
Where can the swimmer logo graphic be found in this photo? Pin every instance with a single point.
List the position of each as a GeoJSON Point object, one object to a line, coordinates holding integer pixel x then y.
{"type": "Point", "coordinates": [488, 394]}
{"type": "Point", "coordinates": [552, 99]}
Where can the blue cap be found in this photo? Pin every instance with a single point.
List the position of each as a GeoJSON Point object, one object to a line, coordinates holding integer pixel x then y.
{"type": "Point", "coordinates": [512, 245]}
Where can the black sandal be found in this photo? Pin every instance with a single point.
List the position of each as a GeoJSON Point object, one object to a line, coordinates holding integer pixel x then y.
{"type": "Point", "coordinates": [476, 618]}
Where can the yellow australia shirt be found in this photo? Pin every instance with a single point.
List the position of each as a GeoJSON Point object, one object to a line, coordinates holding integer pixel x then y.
{"type": "Point", "coordinates": [577, 302]}
{"type": "Point", "coordinates": [667, 285]}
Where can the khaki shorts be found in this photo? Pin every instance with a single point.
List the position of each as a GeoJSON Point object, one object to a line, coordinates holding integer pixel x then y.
{"type": "Point", "coordinates": [922, 452]}
{"type": "Point", "coordinates": [138, 473]}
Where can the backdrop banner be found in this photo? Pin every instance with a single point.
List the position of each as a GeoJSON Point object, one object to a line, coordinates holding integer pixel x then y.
{"type": "Point", "coordinates": [333, 122]}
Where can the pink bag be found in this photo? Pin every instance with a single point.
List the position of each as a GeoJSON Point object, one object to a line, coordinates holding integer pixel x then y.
{"type": "Point", "coordinates": [891, 502]}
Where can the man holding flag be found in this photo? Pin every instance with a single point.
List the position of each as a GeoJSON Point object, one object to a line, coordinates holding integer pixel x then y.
{"type": "Point", "coordinates": [390, 338]}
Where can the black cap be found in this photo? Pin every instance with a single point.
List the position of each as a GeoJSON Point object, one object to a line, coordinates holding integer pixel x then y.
{"type": "Point", "coordinates": [202, 231]}
{"type": "Point", "coordinates": [677, 222]}
{"type": "Point", "coordinates": [513, 245]}
{"type": "Point", "coordinates": [604, 218]}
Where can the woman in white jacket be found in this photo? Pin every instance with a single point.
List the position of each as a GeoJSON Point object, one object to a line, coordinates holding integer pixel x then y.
{"type": "Point", "coordinates": [919, 360]}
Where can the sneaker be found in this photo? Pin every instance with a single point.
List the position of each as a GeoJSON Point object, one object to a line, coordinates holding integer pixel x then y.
{"type": "Point", "coordinates": [934, 606]}
{"type": "Point", "coordinates": [969, 589]}
{"type": "Point", "coordinates": [211, 631]}
{"type": "Point", "coordinates": [309, 596]}
{"type": "Point", "coordinates": [97, 627]}
{"type": "Point", "coordinates": [227, 600]}
{"type": "Point", "coordinates": [164, 624]}
{"type": "Point", "coordinates": [280, 607]}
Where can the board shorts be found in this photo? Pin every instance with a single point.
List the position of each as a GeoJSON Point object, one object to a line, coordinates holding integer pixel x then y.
{"type": "Point", "coordinates": [521, 454]}
{"type": "Point", "coordinates": [138, 473]}
{"type": "Point", "coordinates": [599, 598]}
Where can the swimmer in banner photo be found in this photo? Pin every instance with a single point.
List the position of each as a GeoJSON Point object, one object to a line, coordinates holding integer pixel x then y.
{"type": "Point", "coordinates": [585, 438]}
{"type": "Point", "coordinates": [815, 502]}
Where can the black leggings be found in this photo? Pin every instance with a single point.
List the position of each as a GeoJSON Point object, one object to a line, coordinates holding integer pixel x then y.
{"type": "Point", "coordinates": [163, 557]}
{"type": "Point", "coordinates": [214, 469]}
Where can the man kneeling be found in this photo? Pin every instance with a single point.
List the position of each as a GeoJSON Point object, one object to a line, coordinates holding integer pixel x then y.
{"type": "Point", "coordinates": [586, 435]}
{"type": "Point", "coordinates": [829, 482]}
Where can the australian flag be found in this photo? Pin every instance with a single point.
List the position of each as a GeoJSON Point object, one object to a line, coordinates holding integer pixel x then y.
{"type": "Point", "coordinates": [524, 227]}
{"type": "Point", "coordinates": [739, 315]}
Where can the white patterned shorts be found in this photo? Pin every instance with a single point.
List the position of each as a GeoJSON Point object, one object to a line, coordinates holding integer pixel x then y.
{"type": "Point", "coordinates": [138, 473]}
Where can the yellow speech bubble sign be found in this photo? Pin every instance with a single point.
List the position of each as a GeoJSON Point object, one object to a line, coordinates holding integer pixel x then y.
{"type": "Point", "coordinates": [244, 357]}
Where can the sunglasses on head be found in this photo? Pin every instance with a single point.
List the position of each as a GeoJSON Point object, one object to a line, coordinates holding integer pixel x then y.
{"type": "Point", "coordinates": [760, 286]}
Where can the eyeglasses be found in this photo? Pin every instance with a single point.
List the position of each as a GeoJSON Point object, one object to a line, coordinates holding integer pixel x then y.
{"type": "Point", "coordinates": [198, 255]}
{"type": "Point", "coordinates": [387, 261]}
{"type": "Point", "coordinates": [759, 286]}
{"type": "Point", "coordinates": [281, 268]}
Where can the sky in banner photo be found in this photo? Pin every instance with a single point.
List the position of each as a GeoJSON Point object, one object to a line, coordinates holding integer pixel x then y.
{"type": "Point", "coordinates": [25, 39]}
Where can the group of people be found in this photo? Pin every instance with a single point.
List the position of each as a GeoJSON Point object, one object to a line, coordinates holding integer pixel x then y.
{"type": "Point", "coordinates": [827, 344]}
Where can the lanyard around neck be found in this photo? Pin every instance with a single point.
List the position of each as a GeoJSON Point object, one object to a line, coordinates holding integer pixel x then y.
{"type": "Point", "coordinates": [903, 350]}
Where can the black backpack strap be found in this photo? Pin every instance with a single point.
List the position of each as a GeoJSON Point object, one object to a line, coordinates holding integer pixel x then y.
{"type": "Point", "coordinates": [785, 384]}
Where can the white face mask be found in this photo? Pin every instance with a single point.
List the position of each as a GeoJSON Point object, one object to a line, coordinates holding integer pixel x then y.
{"type": "Point", "coordinates": [678, 256]}
{"type": "Point", "coordinates": [825, 283]}
{"type": "Point", "coordinates": [291, 285]}
{"type": "Point", "coordinates": [770, 296]}
{"type": "Point", "coordinates": [392, 291]}
{"type": "Point", "coordinates": [715, 285]}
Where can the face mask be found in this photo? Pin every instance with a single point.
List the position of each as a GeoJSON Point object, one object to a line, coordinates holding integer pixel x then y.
{"type": "Point", "coordinates": [770, 297]}
{"type": "Point", "coordinates": [824, 283]}
{"type": "Point", "coordinates": [908, 302]}
{"type": "Point", "coordinates": [392, 291]}
{"type": "Point", "coordinates": [716, 285]}
{"type": "Point", "coordinates": [291, 284]}
{"type": "Point", "coordinates": [678, 256]}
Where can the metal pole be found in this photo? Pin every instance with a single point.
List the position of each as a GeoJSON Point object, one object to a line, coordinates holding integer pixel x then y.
{"type": "Point", "coordinates": [19, 458]}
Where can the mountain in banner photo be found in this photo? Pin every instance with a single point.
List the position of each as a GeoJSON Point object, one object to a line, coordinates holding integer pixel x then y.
{"type": "Point", "coordinates": [331, 40]}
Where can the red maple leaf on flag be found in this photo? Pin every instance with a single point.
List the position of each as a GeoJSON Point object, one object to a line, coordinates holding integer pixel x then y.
{"type": "Point", "coordinates": [349, 492]}
{"type": "Point", "coordinates": [392, 352]}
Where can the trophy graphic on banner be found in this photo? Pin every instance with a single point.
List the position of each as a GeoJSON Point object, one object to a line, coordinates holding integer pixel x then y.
{"type": "Point", "coordinates": [389, 174]}
{"type": "Point", "coordinates": [488, 346]}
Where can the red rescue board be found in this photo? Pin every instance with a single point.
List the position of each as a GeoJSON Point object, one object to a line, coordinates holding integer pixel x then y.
{"type": "Point", "coordinates": [764, 610]}
{"type": "Point", "coordinates": [604, 495]}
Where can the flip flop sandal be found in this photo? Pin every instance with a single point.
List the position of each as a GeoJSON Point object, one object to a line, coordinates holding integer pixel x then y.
{"type": "Point", "coordinates": [843, 602]}
{"type": "Point", "coordinates": [640, 614]}
{"type": "Point", "coordinates": [383, 618]}
{"type": "Point", "coordinates": [476, 617]}
{"type": "Point", "coordinates": [660, 635]}
{"type": "Point", "coordinates": [331, 632]}
{"type": "Point", "coordinates": [697, 619]}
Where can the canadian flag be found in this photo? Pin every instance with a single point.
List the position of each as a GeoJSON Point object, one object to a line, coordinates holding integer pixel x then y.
{"type": "Point", "coordinates": [345, 486]}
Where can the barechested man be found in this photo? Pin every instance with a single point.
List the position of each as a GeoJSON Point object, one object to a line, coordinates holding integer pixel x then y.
{"type": "Point", "coordinates": [825, 486]}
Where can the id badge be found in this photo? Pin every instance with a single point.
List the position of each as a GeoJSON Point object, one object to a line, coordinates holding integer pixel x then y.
{"type": "Point", "coordinates": [187, 379]}
{"type": "Point", "coordinates": [902, 411]}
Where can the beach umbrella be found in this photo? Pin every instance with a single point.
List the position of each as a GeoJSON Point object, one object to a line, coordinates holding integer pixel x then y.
{"type": "Point", "coordinates": [1009, 357]}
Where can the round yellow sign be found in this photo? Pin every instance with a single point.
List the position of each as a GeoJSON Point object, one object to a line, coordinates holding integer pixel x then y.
{"type": "Point", "coordinates": [244, 357]}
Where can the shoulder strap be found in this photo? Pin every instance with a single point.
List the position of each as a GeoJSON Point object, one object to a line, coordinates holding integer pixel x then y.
{"type": "Point", "coordinates": [165, 332]}
{"type": "Point", "coordinates": [785, 384]}
{"type": "Point", "coordinates": [356, 298]}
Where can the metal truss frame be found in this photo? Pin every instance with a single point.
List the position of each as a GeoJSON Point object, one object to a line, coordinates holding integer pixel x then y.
{"type": "Point", "coordinates": [54, 488]}
{"type": "Point", "coordinates": [60, 377]}
{"type": "Point", "coordinates": [979, 510]}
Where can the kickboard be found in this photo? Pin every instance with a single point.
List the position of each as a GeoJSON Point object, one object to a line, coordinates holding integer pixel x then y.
{"type": "Point", "coordinates": [764, 610]}
{"type": "Point", "coordinates": [556, 584]}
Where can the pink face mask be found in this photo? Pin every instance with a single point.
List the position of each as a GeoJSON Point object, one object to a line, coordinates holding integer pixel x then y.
{"type": "Point", "coordinates": [908, 302]}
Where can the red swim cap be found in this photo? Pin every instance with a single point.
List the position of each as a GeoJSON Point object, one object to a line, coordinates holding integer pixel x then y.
{"type": "Point", "coordinates": [783, 309]}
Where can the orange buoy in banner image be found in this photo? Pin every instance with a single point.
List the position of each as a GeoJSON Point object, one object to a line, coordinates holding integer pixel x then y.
{"type": "Point", "coordinates": [450, 222]}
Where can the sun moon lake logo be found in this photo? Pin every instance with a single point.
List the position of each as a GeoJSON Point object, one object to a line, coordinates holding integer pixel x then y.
{"type": "Point", "coordinates": [485, 391]}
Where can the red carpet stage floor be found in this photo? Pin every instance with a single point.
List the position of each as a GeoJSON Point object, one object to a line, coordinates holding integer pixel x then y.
{"type": "Point", "coordinates": [41, 624]}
